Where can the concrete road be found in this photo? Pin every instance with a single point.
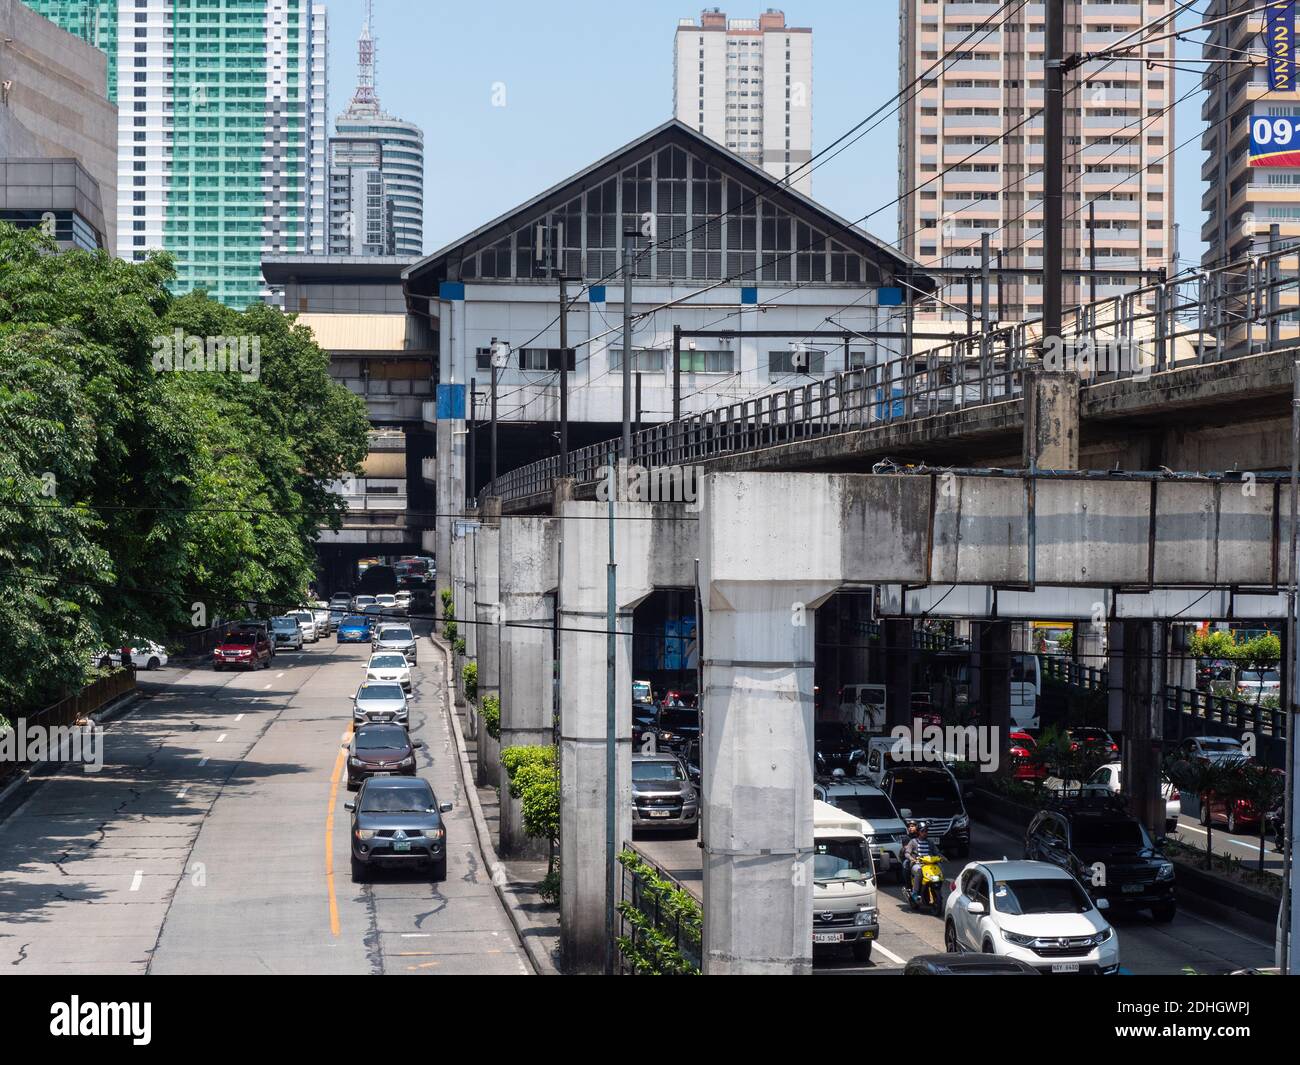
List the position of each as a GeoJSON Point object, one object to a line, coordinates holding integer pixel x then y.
{"type": "Point", "coordinates": [1207, 944]}
{"type": "Point", "coordinates": [215, 840]}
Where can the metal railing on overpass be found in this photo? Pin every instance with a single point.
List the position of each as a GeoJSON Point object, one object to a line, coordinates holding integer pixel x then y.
{"type": "Point", "coordinates": [1197, 317]}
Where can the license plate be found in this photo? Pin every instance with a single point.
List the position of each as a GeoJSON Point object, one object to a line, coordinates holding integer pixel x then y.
{"type": "Point", "coordinates": [403, 845]}
{"type": "Point", "coordinates": [1131, 889]}
{"type": "Point", "coordinates": [1065, 966]}
{"type": "Point", "coordinates": [659, 813]}
{"type": "Point", "coordinates": [828, 937]}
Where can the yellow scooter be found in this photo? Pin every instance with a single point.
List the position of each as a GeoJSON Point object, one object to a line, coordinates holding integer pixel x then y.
{"type": "Point", "coordinates": [931, 896]}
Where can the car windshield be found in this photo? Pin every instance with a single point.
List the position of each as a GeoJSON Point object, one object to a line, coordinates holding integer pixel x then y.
{"type": "Point", "coordinates": [919, 791]}
{"type": "Point", "coordinates": [410, 800]}
{"type": "Point", "coordinates": [302, 615]}
{"type": "Point", "coordinates": [840, 859]}
{"type": "Point", "coordinates": [656, 771]}
{"type": "Point", "coordinates": [640, 691]}
{"type": "Point", "coordinates": [386, 599]}
{"type": "Point", "coordinates": [1269, 676]}
{"type": "Point", "coordinates": [284, 623]}
{"type": "Point", "coordinates": [396, 634]}
{"type": "Point", "coordinates": [388, 661]}
{"type": "Point", "coordinates": [376, 736]}
{"type": "Point", "coordinates": [380, 691]}
{"type": "Point", "coordinates": [1020, 897]}
{"type": "Point", "coordinates": [355, 619]}
{"type": "Point", "coordinates": [362, 600]}
{"type": "Point", "coordinates": [1092, 833]}
{"type": "Point", "coordinates": [867, 807]}
{"type": "Point", "coordinates": [679, 717]}
{"type": "Point", "coordinates": [240, 639]}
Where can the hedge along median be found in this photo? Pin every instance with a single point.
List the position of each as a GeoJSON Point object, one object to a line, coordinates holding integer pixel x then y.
{"type": "Point", "coordinates": [1222, 884]}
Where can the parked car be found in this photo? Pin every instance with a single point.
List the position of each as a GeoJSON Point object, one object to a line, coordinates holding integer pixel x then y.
{"type": "Point", "coordinates": [1107, 779]}
{"type": "Point", "coordinates": [389, 665]}
{"type": "Point", "coordinates": [1031, 911]}
{"type": "Point", "coordinates": [353, 629]}
{"type": "Point", "coordinates": [967, 965]}
{"type": "Point", "coordinates": [377, 748]}
{"type": "Point", "coordinates": [397, 638]}
{"type": "Point", "coordinates": [403, 598]}
{"type": "Point", "coordinates": [143, 654]}
{"type": "Point", "coordinates": [663, 796]}
{"type": "Point", "coordinates": [380, 700]}
{"type": "Point", "coordinates": [1210, 749]}
{"type": "Point", "coordinates": [886, 832]}
{"type": "Point", "coordinates": [1091, 834]}
{"type": "Point", "coordinates": [246, 650]}
{"type": "Point", "coordinates": [677, 723]}
{"type": "Point", "coordinates": [1211, 671]}
{"type": "Point", "coordinates": [930, 793]}
{"type": "Point", "coordinates": [1253, 686]}
{"type": "Point", "coordinates": [257, 625]}
{"type": "Point", "coordinates": [287, 632]}
{"type": "Point", "coordinates": [307, 622]}
{"type": "Point", "coordinates": [341, 601]}
{"type": "Point", "coordinates": [397, 820]}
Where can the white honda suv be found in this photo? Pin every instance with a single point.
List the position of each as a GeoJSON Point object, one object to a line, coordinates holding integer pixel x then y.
{"type": "Point", "coordinates": [1032, 911]}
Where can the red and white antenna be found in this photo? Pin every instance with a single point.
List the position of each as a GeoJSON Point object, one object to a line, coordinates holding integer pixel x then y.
{"type": "Point", "coordinates": [365, 98]}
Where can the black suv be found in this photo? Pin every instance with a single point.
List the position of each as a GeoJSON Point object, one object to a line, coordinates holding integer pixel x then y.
{"type": "Point", "coordinates": [1109, 851]}
{"type": "Point", "coordinates": [930, 793]}
{"type": "Point", "coordinates": [397, 821]}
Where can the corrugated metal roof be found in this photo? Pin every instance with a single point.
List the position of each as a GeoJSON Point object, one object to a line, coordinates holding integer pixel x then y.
{"type": "Point", "coordinates": [357, 332]}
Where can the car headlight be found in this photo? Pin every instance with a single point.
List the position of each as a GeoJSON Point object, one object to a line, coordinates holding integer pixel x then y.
{"type": "Point", "coordinates": [1017, 939]}
{"type": "Point", "coordinates": [1103, 935]}
{"type": "Point", "coordinates": [437, 833]}
{"type": "Point", "coordinates": [961, 821]}
{"type": "Point", "coordinates": [865, 917]}
{"type": "Point", "coordinates": [1166, 871]}
{"type": "Point", "coordinates": [355, 761]}
{"type": "Point", "coordinates": [372, 676]}
{"type": "Point", "coordinates": [408, 761]}
{"type": "Point", "coordinates": [365, 833]}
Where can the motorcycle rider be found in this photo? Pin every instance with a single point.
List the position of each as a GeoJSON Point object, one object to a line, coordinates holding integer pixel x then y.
{"type": "Point", "coordinates": [917, 847]}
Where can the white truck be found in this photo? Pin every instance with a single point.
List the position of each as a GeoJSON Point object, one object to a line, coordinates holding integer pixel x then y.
{"type": "Point", "coordinates": [1026, 688]}
{"type": "Point", "coordinates": [886, 832]}
{"type": "Point", "coordinates": [845, 910]}
{"type": "Point", "coordinates": [863, 705]}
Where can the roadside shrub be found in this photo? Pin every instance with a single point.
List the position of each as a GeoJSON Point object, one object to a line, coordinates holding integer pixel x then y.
{"type": "Point", "coordinates": [535, 781]}
{"type": "Point", "coordinates": [491, 711]}
{"type": "Point", "coordinates": [469, 680]}
{"type": "Point", "coordinates": [450, 632]}
{"type": "Point", "coordinates": [459, 646]}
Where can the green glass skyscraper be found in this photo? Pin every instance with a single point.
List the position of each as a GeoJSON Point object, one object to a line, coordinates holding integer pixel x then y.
{"type": "Point", "coordinates": [222, 133]}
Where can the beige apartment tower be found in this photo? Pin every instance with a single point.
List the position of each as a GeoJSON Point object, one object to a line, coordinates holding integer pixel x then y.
{"type": "Point", "coordinates": [747, 84]}
{"type": "Point", "coordinates": [971, 144]}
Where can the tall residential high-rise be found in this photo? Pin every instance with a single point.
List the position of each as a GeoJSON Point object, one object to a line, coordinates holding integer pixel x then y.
{"type": "Point", "coordinates": [222, 115]}
{"type": "Point", "coordinates": [1242, 202]}
{"type": "Point", "coordinates": [747, 84]}
{"type": "Point", "coordinates": [971, 144]}
{"type": "Point", "coordinates": [376, 171]}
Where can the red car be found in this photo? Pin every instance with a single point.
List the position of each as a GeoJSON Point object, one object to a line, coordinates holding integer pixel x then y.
{"type": "Point", "coordinates": [1022, 752]}
{"type": "Point", "coordinates": [248, 650]}
{"type": "Point", "coordinates": [1234, 815]}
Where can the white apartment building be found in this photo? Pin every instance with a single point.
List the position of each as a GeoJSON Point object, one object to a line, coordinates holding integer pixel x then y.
{"type": "Point", "coordinates": [971, 145]}
{"type": "Point", "coordinates": [747, 84]}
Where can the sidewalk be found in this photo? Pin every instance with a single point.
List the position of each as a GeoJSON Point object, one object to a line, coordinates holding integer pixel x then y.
{"type": "Point", "coordinates": [536, 921]}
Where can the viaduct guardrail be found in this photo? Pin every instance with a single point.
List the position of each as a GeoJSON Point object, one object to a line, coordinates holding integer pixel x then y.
{"type": "Point", "coordinates": [1193, 318]}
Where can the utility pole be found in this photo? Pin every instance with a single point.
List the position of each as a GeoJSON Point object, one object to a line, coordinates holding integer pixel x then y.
{"type": "Point", "coordinates": [629, 243]}
{"type": "Point", "coordinates": [1054, 166]}
{"type": "Point", "coordinates": [1092, 251]}
{"type": "Point", "coordinates": [638, 401]}
{"type": "Point", "coordinates": [564, 375]}
{"type": "Point", "coordinates": [1289, 944]}
{"type": "Point", "coordinates": [611, 737]}
{"type": "Point", "coordinates": [500, 353]}
{"type": "Point", "coordinates": [470, 469]}
{"type": "Point", "coordinates": [677, 372]}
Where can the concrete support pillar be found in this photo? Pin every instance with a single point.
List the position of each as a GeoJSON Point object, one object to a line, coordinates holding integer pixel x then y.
{"type": "Point", "coordinates": [1089, 645]}
{"type": "Point", "coordinates": [529, 574]}
{"type": "Point", "coordinates": [644, 545]}
{"type": "Point", "coordinates": [1144, 663]}
{"type": "Point", "coordinates": [487, 614]}
{"type": "Point", "coordinates": [897, 637]}
{"type": "Point", "coordinates": [465, 609]}
{"type": "Point", "coordinates": [1051, 438]}
{"type": "Point", "coordinates": [449, 493]}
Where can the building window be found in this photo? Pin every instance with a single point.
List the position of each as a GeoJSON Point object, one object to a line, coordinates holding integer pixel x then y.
{"type": "Point", "coordinates": [644, 360]}
{"type": "Point", "coordinates": [781, 363]}
{"type": "Point", "coordinates": [707, 361]}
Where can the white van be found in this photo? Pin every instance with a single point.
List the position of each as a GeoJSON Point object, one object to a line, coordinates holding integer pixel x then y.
{"type": "Point", "coordinates": [1026, 689]}
{"type": "Point", "coordinates": [844, 882]}
{"type": "Point", "coordinates": [885, 830]}
{"type": "Point", "coordinates": [864, 705]}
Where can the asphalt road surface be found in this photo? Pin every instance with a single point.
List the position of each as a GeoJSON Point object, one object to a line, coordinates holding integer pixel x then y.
{"type": "Point", "coordinates": [215, 840]}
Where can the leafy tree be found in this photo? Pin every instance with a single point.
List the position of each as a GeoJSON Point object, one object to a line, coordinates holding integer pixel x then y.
{"type": "Point", "coordinates": [1262, 787]}
{"type": "Point", "coordinates": [1202, 778]}
{"type": "Point", "coordinates": [535, 780]}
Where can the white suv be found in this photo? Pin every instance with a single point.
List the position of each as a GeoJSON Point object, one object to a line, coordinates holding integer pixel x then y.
{"type": "Point", "coordinates": [1032, 911]}
{"type": "Point", "coordinates": [307, 623]}
{"type": "Point", "coordinates": [886, 832]}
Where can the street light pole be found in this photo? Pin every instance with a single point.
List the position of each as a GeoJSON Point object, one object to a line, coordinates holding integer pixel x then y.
{"type": "Point", "coordinates": [1053, 166]}
{"type": "Point", "coordinates": [564, 376]}
{"type": "Point", "coordinates": [629, 243]}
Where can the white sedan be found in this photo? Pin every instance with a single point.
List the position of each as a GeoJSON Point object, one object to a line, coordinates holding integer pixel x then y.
{"type": "Point", "coordinates": [389, 665]}
{"type": "Point", "coordinates": [145, 654]}
{"type": "Point", "coordinates": [1032, 911]}
{"type": "Point", "coordinates": [1107, 778]}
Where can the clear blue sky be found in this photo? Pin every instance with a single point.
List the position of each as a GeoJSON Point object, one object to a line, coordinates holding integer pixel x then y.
{"type": "Point", "coordinates": [582, 78]}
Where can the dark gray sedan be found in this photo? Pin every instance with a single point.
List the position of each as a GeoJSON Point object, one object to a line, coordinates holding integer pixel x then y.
{"type": "Point", "coordinates": [397, 821]}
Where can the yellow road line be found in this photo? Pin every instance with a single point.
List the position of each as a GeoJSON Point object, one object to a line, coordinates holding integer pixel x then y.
{"type": "Point", "coordinates": [329, 835]}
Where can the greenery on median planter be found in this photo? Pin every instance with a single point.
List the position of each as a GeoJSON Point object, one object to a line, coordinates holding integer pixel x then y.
{"type": "Point", "coordinates": [469, 680]}
{"type": "Point", "coordinates": [649, 948]}
{"type": "Point", "coordinates": [491, 711]}
{"type": "Point", "coordinates": [534, 774]}
{"type": "Point", "coordinates": [458, 645]}
{"type": "Point", "coordinates": [450, 632]}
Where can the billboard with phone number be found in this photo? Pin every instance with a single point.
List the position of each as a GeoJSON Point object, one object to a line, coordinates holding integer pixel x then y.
{"type": "Point", "coordinates": [1274, 141]}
